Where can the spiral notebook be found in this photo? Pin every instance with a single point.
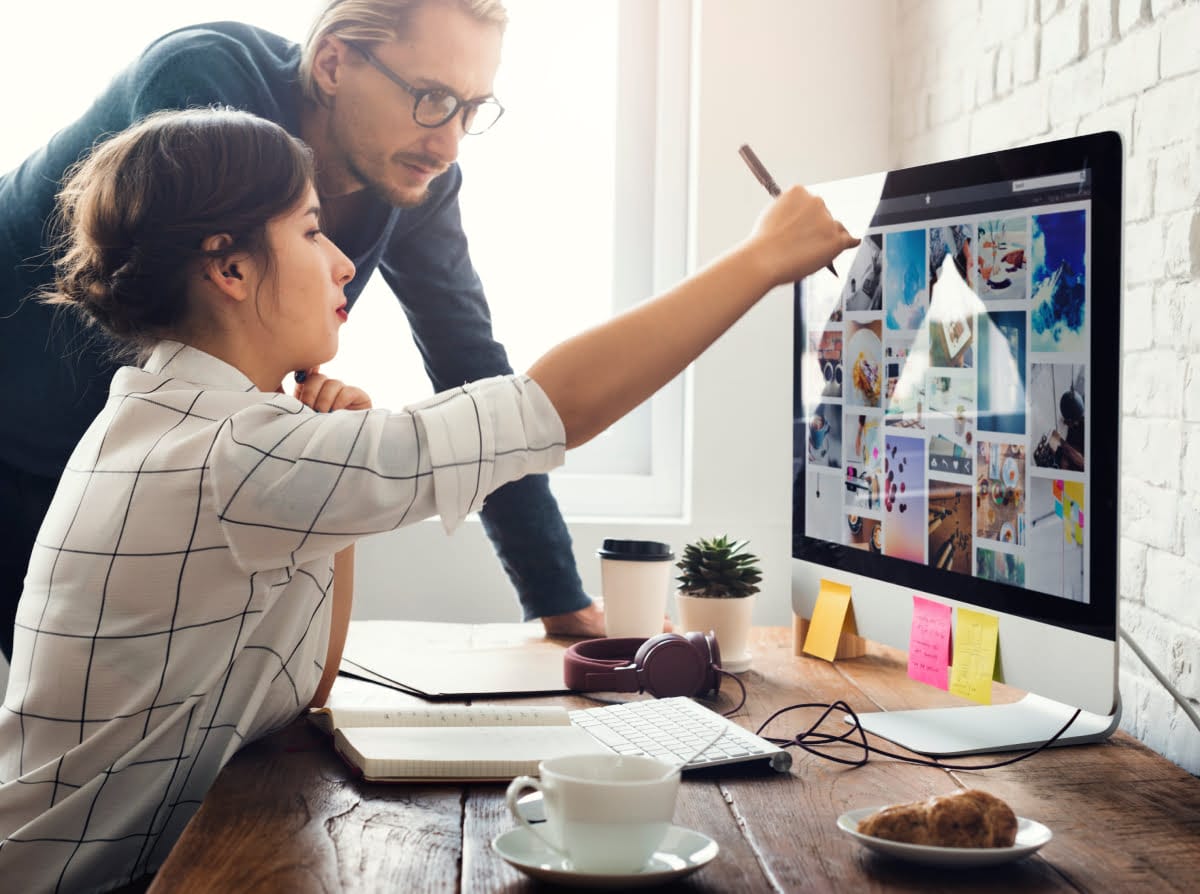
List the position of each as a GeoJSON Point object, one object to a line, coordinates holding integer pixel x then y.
{"type": "Point", "coordinates": [451, 743]}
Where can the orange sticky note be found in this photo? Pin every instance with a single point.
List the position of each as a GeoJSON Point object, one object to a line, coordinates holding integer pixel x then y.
{"type": "Point", "coordinates": [975, 636]}
{"type": "Point", "coordinates": [829, 617]}
{"type": "Point", "coordinates": [929, 642]}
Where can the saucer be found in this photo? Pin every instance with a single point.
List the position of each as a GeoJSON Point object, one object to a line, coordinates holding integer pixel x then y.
{"type": "Point", "coordinates": [1030, 836]}
{"type": "Point", "coordinates": [681, 853]}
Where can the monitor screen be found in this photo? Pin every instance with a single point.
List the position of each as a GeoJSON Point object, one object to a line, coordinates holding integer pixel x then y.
{"type": "Point", "coordinates": [955, 409]}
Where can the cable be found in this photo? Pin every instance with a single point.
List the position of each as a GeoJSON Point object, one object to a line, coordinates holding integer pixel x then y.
{"type": "Point", "coordinates": [735, 679]}
{"type": "Point", "coordinates": [1175, 693]}
{"type": "Point", "coordinates": [810, 738]}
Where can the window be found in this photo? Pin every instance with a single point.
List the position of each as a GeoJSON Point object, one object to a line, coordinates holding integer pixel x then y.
{"type": "Point", "coordinates": [574, 204]}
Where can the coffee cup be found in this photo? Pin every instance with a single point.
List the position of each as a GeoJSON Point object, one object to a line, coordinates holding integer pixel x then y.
{"type": "Point", "coordinates": [605, 813]}
{"type": "Point", "coordinates": [635, 576]}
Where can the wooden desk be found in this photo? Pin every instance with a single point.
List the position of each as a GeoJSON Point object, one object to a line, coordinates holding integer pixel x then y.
{"type": "Point", "coordinates": [285, 814]}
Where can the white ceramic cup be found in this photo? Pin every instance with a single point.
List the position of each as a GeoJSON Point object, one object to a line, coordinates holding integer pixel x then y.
{"type": "Point", "coordinates": [635, 577]}
{"type": "Point", "coordinates": [605, 813]}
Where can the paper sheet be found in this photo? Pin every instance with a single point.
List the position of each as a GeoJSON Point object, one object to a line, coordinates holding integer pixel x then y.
{"type": "Point", "coordinates": [975, 636]}
{"type": "Point", "coordinates": [828, 620]}
{"type": "Point", "coordinates": [929, 642]}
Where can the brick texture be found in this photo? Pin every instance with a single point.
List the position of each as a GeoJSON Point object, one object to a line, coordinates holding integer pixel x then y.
{"type": "Point", "coordinates": [1031, 70]}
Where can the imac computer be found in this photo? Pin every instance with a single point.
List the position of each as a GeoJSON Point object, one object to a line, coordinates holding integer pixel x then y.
{"type": "Point", "coordinates": [955, 427]}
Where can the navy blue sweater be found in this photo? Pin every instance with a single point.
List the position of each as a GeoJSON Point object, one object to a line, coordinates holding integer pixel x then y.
{"type": "Point", "coordinates": [56, 371]}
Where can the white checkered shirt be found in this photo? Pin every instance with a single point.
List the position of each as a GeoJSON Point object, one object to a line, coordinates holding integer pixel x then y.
{"type": "Point", "coordinates": [178, 599]}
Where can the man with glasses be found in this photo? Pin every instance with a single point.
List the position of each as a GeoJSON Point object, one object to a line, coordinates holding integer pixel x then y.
{"type": "Point", "coordinates": [383, 91]}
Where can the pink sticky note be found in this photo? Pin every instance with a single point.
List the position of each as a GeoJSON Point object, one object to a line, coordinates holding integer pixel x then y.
{"type": "Point", "coordinates": [929, 642]}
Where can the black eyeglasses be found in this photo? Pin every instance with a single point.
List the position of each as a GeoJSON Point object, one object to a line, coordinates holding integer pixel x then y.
{"type": "Point", "coordinates": [434, 106]}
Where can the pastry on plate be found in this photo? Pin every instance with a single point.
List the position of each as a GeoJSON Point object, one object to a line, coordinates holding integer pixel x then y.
{"type": "Point", "coordinates": [969, 818]}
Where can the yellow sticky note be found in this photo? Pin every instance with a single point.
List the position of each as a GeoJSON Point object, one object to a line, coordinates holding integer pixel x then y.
{"type": "Point", "coordinates": [1073, 512]}
{"type": "Point", "coordinates": [975, 636]}
{"type": "Point", "coordinates": [829, 617]}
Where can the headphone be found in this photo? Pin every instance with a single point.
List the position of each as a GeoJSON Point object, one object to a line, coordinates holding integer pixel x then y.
{"type": "Point", "coordinates": [665, 665]}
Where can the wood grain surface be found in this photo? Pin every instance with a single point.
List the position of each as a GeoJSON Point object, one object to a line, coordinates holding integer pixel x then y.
{"type": "Point", "coordinates": [287, 815]}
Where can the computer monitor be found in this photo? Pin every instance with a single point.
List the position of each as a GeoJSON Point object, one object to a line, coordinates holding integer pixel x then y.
{"type": "Point", "coordinates": [955, 426]}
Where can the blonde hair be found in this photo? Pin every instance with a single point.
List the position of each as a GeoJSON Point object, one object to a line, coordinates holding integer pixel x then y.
{"type": "Point", "coordinates": [378, 20]}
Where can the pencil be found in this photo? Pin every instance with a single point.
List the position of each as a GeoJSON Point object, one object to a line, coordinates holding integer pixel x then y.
{"type": "Point", "coordinates": [764, 177]}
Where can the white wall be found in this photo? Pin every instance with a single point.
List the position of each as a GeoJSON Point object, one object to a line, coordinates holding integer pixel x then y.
{"type": "Point", "coordinates": [975, 75]}
{"type": "Point", "coordinates": [772, 73]}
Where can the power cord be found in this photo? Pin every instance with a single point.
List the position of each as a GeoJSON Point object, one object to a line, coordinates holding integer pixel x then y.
{"type": "Point", "coordinates": [810, 738]}
{"type": "Point", "coordinates": [1180, 699]}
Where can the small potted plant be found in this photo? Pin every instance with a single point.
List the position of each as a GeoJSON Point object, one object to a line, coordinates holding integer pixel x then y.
{"type": "Point", "coordinates": [716, 592]}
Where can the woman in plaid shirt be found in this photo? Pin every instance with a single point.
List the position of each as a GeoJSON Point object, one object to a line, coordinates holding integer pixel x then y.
{"type": "Point", "coordinates": [180, 600]}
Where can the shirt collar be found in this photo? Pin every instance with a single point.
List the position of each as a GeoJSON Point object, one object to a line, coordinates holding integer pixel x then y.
{"type": "Point", "coordinates": [175, 360]}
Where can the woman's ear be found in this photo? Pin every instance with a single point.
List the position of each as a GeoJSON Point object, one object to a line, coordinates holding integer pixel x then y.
{"type": "Point", "coordinates": [328, 63]}
{"type": "Point", "coordinates": [228, 272]}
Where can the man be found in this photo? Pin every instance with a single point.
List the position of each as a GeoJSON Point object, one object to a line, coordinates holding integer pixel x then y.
{"type": "Point", "coordinates": [383, 91]}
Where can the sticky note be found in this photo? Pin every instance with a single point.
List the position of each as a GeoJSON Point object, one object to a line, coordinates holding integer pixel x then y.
{"type": "Point", "coordinates": [929, 642]}
{"type": "Point", "coordinates": [975, 635]}
{"type": "Point", "coordinates": [1073, 519]}
{"type": "Point", "coordinates": [828, 619]}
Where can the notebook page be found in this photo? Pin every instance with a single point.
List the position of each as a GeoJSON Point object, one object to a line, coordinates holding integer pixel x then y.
{"type": "Point", "coordinates": [499, 752]}
{"type": "Point", "coordinates": [330, 719]}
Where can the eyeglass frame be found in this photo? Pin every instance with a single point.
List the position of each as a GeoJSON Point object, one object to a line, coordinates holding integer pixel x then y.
{"type": "Point", "coordinates": [418, 94]}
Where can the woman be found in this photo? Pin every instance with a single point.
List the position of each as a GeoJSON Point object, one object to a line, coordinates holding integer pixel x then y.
{"type": "Point", "coordinates": [180, 598]}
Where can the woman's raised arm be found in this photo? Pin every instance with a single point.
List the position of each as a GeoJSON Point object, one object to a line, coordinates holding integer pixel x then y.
{"type": "Point", "coordinates": [595, 378]}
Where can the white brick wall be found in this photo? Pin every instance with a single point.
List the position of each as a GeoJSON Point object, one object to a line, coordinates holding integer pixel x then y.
{"type": "Point", "coordinates": [1011, 72]}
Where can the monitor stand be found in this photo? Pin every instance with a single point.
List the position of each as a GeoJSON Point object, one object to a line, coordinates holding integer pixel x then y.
{"type": "Point", "coordinates": [979, 729]}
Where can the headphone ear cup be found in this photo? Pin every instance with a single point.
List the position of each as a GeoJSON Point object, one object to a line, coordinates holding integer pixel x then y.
{"type": "Point", "coordinates": [709, 651]}
{"type": "Point", "coordinates": [670, 664]}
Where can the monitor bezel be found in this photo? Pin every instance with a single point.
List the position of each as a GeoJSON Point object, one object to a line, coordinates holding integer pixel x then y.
{"type": "Point", "coordinates": [1102, 154]}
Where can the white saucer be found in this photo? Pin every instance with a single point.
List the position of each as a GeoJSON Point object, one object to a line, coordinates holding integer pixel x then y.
{"type": "Point", "coordinates": [1030, 836]}
{"type": "Point", "coordinates": [682, 852]}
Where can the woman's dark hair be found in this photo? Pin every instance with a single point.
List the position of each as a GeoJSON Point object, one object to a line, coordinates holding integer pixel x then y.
{"type": "Point", "coordinates": [133, 213]}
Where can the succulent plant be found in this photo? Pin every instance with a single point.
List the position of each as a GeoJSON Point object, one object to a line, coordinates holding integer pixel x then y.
{"type": "Point", "coordinates": [718, 568]}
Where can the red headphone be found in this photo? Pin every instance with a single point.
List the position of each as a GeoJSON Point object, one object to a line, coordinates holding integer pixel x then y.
{"type": "Point", "coordinates": [664, 665]}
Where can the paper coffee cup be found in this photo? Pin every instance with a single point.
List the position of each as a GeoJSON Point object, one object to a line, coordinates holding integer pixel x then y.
{"type": "Point", "coordinates": [635, 577]}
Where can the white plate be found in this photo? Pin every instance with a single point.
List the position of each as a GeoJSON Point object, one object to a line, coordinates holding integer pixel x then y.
{"type": "Point", "coordinates": [1030, 836]}
{"type": "Point", "coordinates": [682, 852]}
{"type": "Point", "coordinates": [1008, 472]}
{"type": "Point", "coordinates": [866, 342]}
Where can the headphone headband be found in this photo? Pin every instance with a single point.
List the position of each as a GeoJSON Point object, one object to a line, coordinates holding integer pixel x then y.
{"type": "Point", "coordinates": [664, 665]}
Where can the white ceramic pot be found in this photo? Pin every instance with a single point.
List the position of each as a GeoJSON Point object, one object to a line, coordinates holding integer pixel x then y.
{"type": "Point", "coordinates": [728, 618]}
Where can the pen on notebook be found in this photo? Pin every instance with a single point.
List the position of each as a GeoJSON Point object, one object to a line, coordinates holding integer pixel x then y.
{"type": "Point", "coordinates": [763, 176]}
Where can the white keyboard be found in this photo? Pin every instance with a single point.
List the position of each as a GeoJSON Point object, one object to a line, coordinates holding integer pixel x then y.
{"type": "Point", "coordinates": [672, 729]}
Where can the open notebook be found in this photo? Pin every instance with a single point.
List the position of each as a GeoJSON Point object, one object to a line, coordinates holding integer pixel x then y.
{"type": "Point", "coordinates": [500, 742]}
{"type": "Point", "coordinates": [446, 743]}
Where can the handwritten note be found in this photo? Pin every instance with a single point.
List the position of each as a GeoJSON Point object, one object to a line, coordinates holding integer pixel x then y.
{"type": "Point", "coordinates": [828, 619]}
{"type": "Point", "coordinates": [929, 642]}
{"type": "Point", "coordinates": [975, 635]}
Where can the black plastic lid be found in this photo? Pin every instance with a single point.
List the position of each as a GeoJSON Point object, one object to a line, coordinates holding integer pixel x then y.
{"type": "Point", "coordinates": [636, 551]}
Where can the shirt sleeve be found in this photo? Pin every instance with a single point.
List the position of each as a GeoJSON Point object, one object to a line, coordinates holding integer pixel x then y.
{"type": "Point", "coordinates": [291, 484]}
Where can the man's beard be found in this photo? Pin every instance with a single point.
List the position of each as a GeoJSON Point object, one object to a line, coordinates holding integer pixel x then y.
{"type": "Point", "coordinates": [387, 194]}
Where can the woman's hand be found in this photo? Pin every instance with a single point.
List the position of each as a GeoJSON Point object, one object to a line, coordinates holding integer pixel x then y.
{"type": "Point", "coordinates": [325, 395]}
{"type": "Point", "coordinates": [795, 236]}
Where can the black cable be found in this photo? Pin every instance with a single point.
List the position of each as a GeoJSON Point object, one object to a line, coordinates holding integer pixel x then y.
{"type": "Point", "coordinates": [810, 738]}
{"type": "Point", "coordinates": [735, 679]}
